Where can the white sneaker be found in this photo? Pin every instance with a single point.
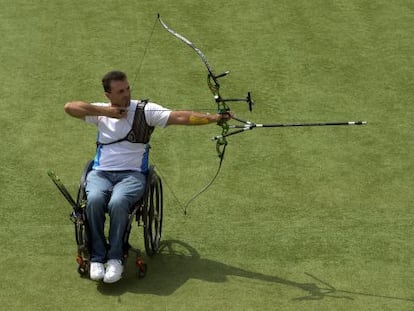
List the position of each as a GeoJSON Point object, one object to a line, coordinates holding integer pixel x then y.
{"type": "Point", "coordinates": [114, 271]}
{"type": "Point", "coordinates": [97, 271]}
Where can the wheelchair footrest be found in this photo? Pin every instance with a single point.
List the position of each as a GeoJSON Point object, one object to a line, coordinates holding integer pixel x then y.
{"type": "Point", "coordinates": [83, 266]}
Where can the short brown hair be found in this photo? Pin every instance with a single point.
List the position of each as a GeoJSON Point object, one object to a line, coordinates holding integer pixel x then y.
{"type": "Point", "coordinates": [114, 75]}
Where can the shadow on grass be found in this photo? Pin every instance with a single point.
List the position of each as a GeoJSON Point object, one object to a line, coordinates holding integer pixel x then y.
{"type": "Point", "coordinates": [178, 262]}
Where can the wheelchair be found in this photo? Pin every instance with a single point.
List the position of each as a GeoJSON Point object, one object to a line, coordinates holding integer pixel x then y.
{"type": "Point", "coordinates": [147, 213]}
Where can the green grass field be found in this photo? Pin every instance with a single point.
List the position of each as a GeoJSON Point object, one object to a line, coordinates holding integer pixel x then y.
{"type": "Point", "coordinates": [299, 218]}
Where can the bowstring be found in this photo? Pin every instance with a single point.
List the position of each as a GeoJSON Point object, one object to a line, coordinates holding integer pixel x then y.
{"type": "Point", "coordinates": [144, 54]}
{"type": "Point", "coordinates": [165, 181]}
{"type": "Point", "coordinates": [137, 72]}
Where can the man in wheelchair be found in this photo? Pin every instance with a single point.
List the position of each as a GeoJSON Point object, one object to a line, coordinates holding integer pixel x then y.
{"type": "Point", "coordinates": [117, 179]}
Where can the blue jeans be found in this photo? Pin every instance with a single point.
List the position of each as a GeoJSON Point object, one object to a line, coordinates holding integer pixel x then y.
{"type": "Point", "coordinates": [114, 193]}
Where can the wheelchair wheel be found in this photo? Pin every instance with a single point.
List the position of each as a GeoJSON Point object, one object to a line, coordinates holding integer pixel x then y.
{"type": "Point", "coordinates": [81, 197]}
{"type": "Point", "coordinates": [82, 241]}
{"type": "Point", "coordinates": [153, 214]}
{"type": "Point", "coordinates": [81, 230]}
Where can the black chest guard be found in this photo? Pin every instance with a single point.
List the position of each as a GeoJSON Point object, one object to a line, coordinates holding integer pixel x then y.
{"type": "Point", "coordinates": [140, 131]}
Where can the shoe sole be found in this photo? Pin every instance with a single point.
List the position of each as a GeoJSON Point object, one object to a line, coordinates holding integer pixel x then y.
{"type": "Point", "coordinates": [110, 281]}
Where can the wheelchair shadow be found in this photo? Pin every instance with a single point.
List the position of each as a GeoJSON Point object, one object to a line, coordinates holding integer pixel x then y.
{"type": "Point", "coordinates": [177, 262]}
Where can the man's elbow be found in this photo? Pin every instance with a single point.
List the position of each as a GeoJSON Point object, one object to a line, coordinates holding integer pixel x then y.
{"type": "Point", "coordinates": [67, 107]}
{"type": "Point", "coordinates": [71, 109]}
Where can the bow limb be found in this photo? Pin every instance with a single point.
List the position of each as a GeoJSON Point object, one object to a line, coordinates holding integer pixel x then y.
{"type": "Point", "coordinates": [211, 78]}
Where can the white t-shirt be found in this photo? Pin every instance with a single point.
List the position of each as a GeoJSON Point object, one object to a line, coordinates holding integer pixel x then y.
{"type": "Point", "coordinates": [124, 155]}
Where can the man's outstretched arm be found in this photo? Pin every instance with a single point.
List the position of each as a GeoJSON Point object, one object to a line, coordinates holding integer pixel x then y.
{"type": "Point", "coordinates": [183, 117]}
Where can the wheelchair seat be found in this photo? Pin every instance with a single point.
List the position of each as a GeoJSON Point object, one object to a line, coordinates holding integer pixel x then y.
{"type": "Point", "coordinates": [147, 212]}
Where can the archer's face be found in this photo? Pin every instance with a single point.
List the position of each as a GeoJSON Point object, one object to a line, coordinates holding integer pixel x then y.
{"type": "Point", "coordinates": [120, 94]}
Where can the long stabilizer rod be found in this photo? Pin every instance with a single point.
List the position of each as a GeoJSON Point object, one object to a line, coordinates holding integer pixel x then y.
{"type": "Point", "coordinates": [250, 125]}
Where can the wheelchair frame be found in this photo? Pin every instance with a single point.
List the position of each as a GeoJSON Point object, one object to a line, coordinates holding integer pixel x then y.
{"type": "Point", "coordinates": [147, 212]}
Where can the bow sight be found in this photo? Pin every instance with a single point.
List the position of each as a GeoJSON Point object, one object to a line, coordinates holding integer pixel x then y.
{"type": "Point", "coordinates": [214, 87]}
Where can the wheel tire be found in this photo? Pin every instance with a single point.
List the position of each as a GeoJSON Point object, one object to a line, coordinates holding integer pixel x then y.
{"type": "Point", "coordinates": [153, 215]}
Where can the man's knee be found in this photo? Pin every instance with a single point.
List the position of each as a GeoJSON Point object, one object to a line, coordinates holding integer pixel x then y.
{"type": "Point", "coordinates": [119, 205]}
{"type": "Point", "coordinates": [96, 202]}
